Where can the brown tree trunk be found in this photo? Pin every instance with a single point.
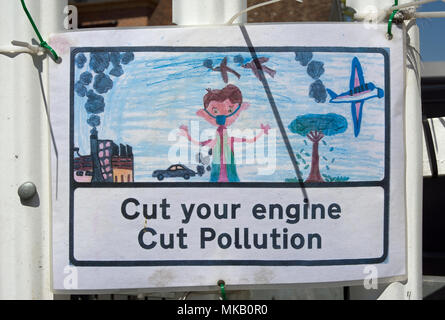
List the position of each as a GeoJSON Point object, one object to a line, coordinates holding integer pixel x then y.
{"type": "Point", "coordinates": [314, 175]}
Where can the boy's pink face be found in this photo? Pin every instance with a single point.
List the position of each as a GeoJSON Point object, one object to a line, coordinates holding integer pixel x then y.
{"type": "Point", "coordinates": [218, 108]}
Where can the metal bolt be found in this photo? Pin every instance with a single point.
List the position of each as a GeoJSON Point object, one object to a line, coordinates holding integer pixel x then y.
{"type": "Point", "coordinates": [27, 190]}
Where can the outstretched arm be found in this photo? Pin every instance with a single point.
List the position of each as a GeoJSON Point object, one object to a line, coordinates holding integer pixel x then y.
{"type": "Point", "coordinates": [265, 130]}
{"type": "Point", "coordinates": [184, 131]}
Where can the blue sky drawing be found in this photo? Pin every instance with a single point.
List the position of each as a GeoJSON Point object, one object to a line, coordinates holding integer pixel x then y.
{"type": "Point", "coordinates": [160, 91]}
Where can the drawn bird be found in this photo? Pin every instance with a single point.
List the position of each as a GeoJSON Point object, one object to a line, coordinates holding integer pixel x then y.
{"type": "Point", "coordinates": [253, 65]}
{"type": "Point", "coordinates": [359, 92]}
{"type": "Point", "coordinates": [223, 68]}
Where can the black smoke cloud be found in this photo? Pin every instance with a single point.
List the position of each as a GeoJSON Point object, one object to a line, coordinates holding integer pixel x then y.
{"type": "Point", "coordinates": [317, 91]}
{"type": "Point", "coordinates": [115, 58]}
{"type": "Point", "coordinates": [94, 120]}
{"type": "Point", "coordinates": [95, 103]}
{"type": "Point", "coordinates": [315, 69]}
{"type": "Point", "coordinates": [99, 63]}
{"type": "Point", "coordinates": [208, 63]}
{"type": "Point", "coordinates": [80, 89]}
{"type": "Point", "coordinates": [80, 60]}
{"type": "Point", "coordinates": [102, 83]}
{"type": "Point", "coordinates": [117, 70]}
{"type": "Point", "coordinates": [86, 78]}
{"type": "Point", "coordinates": [303, 57]}
{"type": "Point", "coordinates": [238, 59]}
{"type": "Point", "coordinates": [127, 57]}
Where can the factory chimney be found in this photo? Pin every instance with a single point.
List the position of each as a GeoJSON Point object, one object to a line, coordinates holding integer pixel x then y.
{"type": "Point", "coordinates": [94, 145]}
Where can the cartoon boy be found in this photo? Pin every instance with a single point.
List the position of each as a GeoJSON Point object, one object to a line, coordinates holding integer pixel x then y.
{"type": "Point", "coordinates": [221, 109]}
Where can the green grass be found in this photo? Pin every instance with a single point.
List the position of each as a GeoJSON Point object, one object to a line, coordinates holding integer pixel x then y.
{"type": "Point", "coordinates": [293, 180]}
{"type": "Point", "coordinates": [329, 178]}
{"type": "Point", "coordinates": [326, 177]}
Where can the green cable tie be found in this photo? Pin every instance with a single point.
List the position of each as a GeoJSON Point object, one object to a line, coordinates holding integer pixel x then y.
{"type": "Point", "coordinates": [391, 18]}
{"type": "Point", "coordinates": [43, 43]}
{"type": "Point", "coordinates": [223, 291]}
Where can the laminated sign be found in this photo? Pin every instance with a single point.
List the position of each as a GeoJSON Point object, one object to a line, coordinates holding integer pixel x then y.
{"type": "Point", "coordinates": [256, 155]}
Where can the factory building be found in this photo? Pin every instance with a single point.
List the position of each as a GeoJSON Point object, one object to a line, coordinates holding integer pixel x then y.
{"type": "Point", "coordinates": [108, 162]}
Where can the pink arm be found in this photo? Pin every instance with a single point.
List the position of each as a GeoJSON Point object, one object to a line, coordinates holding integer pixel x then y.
{"type": "Point", "coordinates": [184, 132]}
{"type": "Point", "coordinates": [248, 140]}
{"type": "Point", "coordinates": [265, 131]}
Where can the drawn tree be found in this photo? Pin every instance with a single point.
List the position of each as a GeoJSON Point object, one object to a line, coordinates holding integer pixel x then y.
{"type": "Point", "coordinates": [315, 127]}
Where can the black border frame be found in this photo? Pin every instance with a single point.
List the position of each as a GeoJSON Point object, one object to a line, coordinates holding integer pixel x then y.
{"type": "Point", "coordinates": [384, 183]}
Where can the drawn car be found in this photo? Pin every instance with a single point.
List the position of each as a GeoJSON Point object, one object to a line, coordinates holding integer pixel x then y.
{"type": "Point", "coordinates": [174, 171]}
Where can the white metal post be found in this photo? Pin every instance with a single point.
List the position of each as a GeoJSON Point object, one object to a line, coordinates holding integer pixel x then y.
{"type": "Point", "coordinates": [25, 141]}
{"type": "Point", "coordinates": [414, 175]}
{"type": "Point", "coordinates": [198, 12]}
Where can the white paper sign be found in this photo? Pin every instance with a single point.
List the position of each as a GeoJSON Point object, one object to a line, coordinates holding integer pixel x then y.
{"type": "Point", "coordinates": [257, 155]}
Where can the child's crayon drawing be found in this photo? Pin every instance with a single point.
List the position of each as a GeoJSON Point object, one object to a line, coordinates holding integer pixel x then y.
{"type": "Point", "coordinates": [204, 116]}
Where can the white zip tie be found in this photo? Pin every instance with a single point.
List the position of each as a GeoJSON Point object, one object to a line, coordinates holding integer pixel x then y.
{"type": "Point", "coordinates": [438, 14]}
{"type": "Point", "coordinates": [254, 7]}
{"type": "Point", "coordinates": [22, 47]}
{"type": "Point", "coordinates": [406, 11]}
{"type": "Point", "coordinates": [408, 14]}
